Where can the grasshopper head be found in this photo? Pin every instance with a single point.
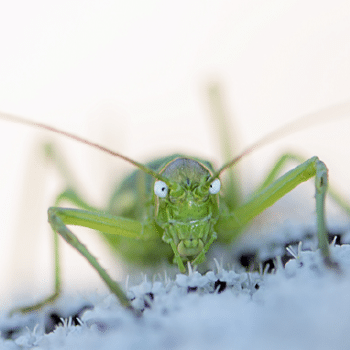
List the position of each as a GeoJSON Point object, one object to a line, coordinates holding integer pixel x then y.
{"type": "Point", "coordinates": [187, 206]}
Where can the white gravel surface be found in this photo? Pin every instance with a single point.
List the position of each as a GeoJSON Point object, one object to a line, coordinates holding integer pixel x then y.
{"type": "Point", "coordinates": [301, 306]}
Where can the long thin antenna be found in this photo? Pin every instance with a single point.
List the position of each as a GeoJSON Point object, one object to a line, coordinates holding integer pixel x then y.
{"type": "Point", "coordinates": [338, 111]}
{"type": "Point", "coordinates": [20, 120]}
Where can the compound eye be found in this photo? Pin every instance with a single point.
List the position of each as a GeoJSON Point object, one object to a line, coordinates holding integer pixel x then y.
{"type": "Point", "coordinates": [160, 189]}
{"type": "Point", "coordinates": [215, 186]}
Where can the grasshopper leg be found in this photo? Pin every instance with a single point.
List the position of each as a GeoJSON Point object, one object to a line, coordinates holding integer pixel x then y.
{"type": "Point", "coordinates": [273, 190]}
{"type": "Point", "coordinates": [58, 226]}
{"type": "Point", "coordinates": [291, 157]}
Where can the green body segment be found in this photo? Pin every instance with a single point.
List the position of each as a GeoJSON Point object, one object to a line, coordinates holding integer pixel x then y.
{"type": "Point", "coordinates": [187, 218]}
{"type": "Point", "coordinates": [189, 212]}
{"type": "Point", "coordinates": [147, 230]}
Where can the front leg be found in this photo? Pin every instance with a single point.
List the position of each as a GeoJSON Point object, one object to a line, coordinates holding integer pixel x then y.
{"type": "Point", "coordinates": [171, 239]}
{"type": "Point", "coordinates": [59, 218]}
{"type": "Point", "coordinates": [59, 226]}
{"type": "Point", "coordinates": [272, 192]}
{"type": "Point", "coordinates": [201, 256]}
{"type": "Point", "coordinates": [321, 183]}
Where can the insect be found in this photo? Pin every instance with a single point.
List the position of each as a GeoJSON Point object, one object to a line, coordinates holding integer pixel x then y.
{"type": "Point", "coordinates": [178, 214]}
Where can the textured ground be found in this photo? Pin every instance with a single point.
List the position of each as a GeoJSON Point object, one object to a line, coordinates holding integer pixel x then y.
{"type": "Point", "coordinates": [300, 306]}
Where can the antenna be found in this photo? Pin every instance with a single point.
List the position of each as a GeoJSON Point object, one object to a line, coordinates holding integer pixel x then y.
{"type": "Point", "coordinates": [337, 111]}
{"type": "Point", "coordinates": [20, 120]}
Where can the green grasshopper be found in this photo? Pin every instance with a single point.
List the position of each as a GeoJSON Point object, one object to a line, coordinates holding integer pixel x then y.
{"type": "Point", "coordinates": [178, 214]}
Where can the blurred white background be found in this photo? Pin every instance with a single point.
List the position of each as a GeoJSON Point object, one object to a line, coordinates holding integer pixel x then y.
{"type": "Point", "coordinates": [133, 76]}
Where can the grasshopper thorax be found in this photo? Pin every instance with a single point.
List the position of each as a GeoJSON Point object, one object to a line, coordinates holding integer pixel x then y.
{"type": "Point", "coordinates": [187, 205]}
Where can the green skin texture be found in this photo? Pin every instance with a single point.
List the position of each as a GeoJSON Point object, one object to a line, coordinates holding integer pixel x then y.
{"type": "Point", "coordinates": [182, 226]}
{"type": "Point", "coordinates": [189, 212]}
